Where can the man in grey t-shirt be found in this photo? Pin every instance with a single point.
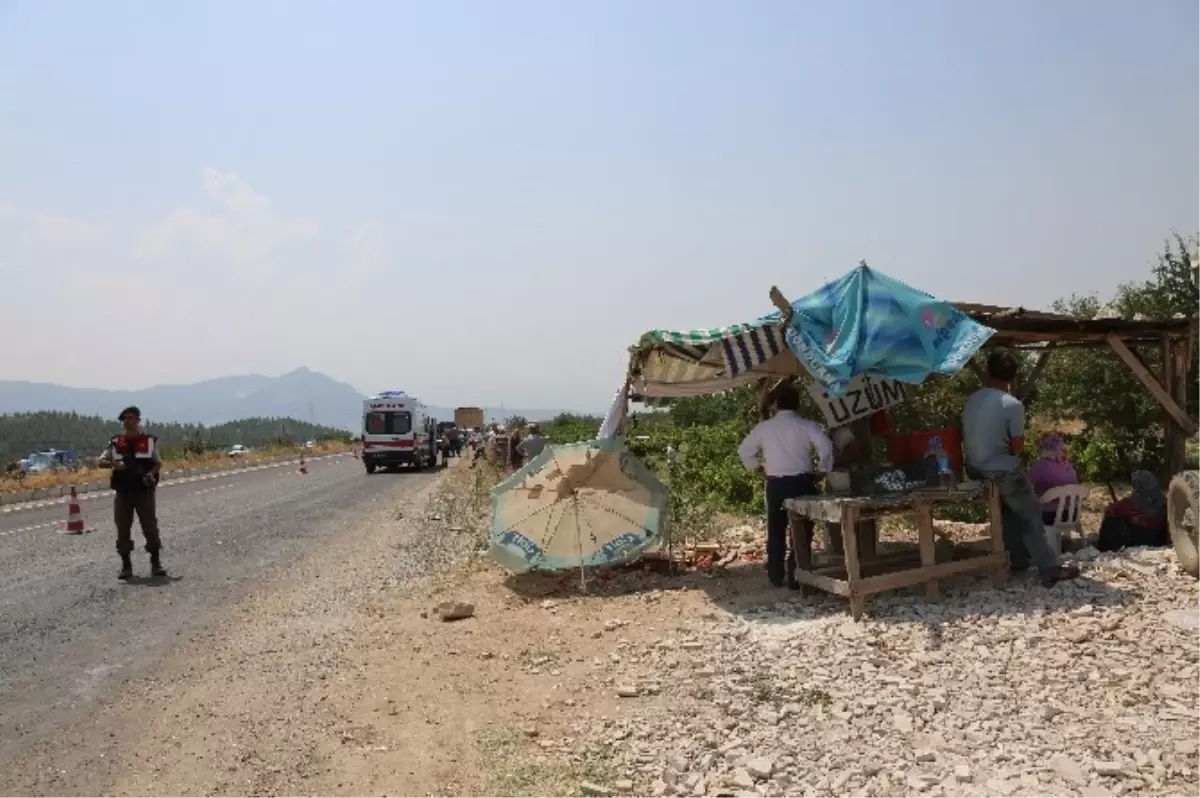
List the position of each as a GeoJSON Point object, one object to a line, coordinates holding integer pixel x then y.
{"type": "Point", "coordinates": [993, 434]}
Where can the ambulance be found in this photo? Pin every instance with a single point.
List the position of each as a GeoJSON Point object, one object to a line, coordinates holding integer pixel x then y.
{"type": "Point", "coordinates": [397, 430]}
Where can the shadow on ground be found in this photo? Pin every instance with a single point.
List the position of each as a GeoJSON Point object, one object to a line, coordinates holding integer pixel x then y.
{"type": "Point", "coordinates": [152, 581]}
{"type": "Point", "coordinates": [742, 590]}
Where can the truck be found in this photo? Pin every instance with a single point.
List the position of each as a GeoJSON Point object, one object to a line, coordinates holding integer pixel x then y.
{"type": "Point", "coordinates": [397, 430]}
{"type": "Point", "coordinates": [466, 418]}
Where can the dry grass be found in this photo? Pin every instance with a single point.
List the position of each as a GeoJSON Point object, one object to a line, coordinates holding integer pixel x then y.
{"type": "Point", "coordinates": [86, 475]}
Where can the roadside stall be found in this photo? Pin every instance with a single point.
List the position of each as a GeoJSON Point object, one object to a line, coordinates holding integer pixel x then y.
{"type": "Point", "coordinates": [860, 341]}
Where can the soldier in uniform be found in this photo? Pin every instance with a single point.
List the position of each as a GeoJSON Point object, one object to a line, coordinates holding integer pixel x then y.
{"type": "Point", "coordinates": [135, 463]}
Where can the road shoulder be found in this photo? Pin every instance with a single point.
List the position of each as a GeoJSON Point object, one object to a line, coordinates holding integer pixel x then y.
{"type": "Point", "coordinates": [243, 706]}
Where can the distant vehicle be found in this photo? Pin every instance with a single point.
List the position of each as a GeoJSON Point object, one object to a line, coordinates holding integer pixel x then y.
{"type": "Point", "coordinates": [238, 450]}
{"type": "Point", "coordinates": [397, 430]}
{"type": "Point", "coordinates": [310, 444]}
{"type": "Point", "coordinates": [45, 460]}
{"type": "Point", "coordinates": [468, 417]}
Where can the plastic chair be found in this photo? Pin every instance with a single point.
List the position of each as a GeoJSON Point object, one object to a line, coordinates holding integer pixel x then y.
{"type": "Point", "coordinates": [1066, 517]}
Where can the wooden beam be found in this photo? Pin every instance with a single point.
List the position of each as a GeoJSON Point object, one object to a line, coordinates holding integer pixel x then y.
{"type": "Point", "coordinates": [1135, 364]}
{"type": "Point", "coordinates": [1027, 385]}
{"type": "Point", "coordinates": [767, 390]}
{"type": "Point", "coordinates": [779, 301]}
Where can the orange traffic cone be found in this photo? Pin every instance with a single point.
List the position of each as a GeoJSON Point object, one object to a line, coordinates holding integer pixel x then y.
{"type": "Point", "coordinates": [75, 523]}
{"type": "Point", "coordinates": [303, 468]}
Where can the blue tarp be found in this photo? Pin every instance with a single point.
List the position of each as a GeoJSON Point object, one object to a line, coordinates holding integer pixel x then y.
{"type": "Point", "coordinates": [869, 322]}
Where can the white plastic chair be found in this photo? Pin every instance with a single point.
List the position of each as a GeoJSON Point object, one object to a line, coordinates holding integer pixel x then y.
{"type": "Point", "coordinates": [1066, 517]}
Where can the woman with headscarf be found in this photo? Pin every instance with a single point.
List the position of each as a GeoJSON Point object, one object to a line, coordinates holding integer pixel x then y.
{"type": "Point", "coordinates": [1139, 519]}
{"type": "Point", "coordinates": [1051, 470]}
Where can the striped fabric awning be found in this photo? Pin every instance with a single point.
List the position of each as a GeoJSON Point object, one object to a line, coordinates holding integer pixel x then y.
{"type": "Point", "coordinates": [695, 362]}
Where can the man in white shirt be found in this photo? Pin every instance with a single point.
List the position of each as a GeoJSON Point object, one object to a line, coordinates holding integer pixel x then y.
{"type": "Point", "coordinates": [785, 442]}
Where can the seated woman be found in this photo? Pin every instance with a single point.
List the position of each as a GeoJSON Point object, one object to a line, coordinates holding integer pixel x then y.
{"type": "Point", "coordinates": [1139, 519]}
{"type": "Point", "coordinates": [1051, 470]}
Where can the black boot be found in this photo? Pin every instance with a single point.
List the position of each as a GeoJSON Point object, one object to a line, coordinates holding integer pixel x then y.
{"type": "Point", "coordinates": [156, 568]}
{"type": "Point", "coordinates": [126, 568]}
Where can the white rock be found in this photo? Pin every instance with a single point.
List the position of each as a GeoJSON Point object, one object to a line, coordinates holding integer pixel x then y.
{"type": "Point", "coordinates": [742, 778]}
{"type": "Point", "coordinates": [962, 772]}
{"type": "Point", "coordinates": [1108, 768]}
{"type": "Point", "coordinates": [760, 768]}
{"type": "Point", "coordinates": [627, 691]}
{"type": "Point", "coordinates": [1067, 769]}
{"type": "Point", "coordinates": [1097, 790]}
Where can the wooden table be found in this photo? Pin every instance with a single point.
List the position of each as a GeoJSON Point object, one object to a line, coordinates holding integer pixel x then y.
{"type": "Point", "coordinates": [847, 579]}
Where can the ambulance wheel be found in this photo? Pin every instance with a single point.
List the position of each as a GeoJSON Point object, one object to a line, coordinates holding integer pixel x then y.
{"type": "Point", "coordinates": [1183, 520]}
{"type": "Point", "coordinates": [370, 467]}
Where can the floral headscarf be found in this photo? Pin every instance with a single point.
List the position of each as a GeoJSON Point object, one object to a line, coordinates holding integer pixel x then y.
{"type": "Point", "coordinates": [1052, 447]}
{"type": "Point", "coordinates": [1148, 496]}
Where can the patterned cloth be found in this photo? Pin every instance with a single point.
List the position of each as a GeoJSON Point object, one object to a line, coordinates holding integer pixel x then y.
{"type": "Point", "coordinates": [864, 322]}
{"type": "Point", "coordinates": [869, 322]}
{"type": "Point", "coordinates": [711, 360]}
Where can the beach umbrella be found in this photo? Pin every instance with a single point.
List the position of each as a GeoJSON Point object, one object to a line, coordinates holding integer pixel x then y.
{"type": "Point", "coordinates": [868, 322]}
{"type": "Point", "coordinates": [575, 506]}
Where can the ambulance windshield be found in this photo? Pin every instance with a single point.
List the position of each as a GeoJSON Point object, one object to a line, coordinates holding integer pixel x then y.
{"type": "Point", "coordinates": [388, 423]}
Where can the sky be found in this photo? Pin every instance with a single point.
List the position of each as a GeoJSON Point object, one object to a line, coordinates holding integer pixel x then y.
{"type": "Point", "coordinates": [485, 203]}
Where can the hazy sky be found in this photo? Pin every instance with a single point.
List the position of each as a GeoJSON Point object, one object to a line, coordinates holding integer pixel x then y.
{"type": "Point", "coordinates": [489, 202]}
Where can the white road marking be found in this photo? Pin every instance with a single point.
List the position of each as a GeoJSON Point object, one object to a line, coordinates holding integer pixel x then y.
{"type": "Point", "coordinates": [62, 524]}
{"type": "Point", "coordinates": [166, 483]}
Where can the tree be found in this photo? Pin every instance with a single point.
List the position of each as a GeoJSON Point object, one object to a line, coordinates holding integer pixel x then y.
{"type": "Point", "coordinates": [22, 433]}
{"type": "Point", "coordinates": [1123, 422]}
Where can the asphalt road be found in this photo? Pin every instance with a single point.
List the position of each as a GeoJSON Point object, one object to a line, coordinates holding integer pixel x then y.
{"type": "Point", "coordinates": [70, 632]}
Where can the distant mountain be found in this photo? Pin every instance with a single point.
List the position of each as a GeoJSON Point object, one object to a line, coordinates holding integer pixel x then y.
{"type": "Point", "coordinates": [302, 394]}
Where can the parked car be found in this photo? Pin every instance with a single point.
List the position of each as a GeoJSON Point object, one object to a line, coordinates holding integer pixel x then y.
{"type": "Point", "coordinates": [238, 450]}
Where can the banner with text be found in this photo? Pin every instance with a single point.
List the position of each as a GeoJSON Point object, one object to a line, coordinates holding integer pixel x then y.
{"type": "Point", "coordinates": [864, 395]}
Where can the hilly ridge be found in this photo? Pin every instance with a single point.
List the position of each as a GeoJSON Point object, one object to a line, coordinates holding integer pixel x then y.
{"type": "Point", "coordinates": [302, 394]}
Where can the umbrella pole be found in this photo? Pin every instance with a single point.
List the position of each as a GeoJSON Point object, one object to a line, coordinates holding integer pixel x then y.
{"type": "Point", "coordinates": [579, 537]}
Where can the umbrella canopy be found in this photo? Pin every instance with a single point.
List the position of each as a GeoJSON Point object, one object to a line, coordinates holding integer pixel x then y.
{"type": "Point", "coordinates": [865, 322]}
{"type": "Point", "coordinates": [575, 506]}
{"type": "Point", "coordinates": [869, 322]}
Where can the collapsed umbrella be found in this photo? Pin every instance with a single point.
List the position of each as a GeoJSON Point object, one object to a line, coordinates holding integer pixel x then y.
{"type": "Point", "coordinates": [576, 506]}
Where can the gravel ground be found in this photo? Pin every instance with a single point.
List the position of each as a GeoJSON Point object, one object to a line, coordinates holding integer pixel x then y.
{"type": "Point", "coordinates": [1088, 688]}
{"type": "Point", "coordinates": [338, 676]}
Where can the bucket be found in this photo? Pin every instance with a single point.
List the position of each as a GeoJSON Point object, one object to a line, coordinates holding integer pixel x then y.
{"type": "Point", "coordinates": [839, 482]}
{"type": "Point", "coordinates": [910, 447]}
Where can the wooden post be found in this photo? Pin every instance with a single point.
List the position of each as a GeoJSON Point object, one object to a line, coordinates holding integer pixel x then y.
{"type": "Point", "coordinates": [928, 549]}
{"type": "Point", "coordinates": [1175, 379]}
{"type": "Point", "coordinates": [780, 302]}
{"type": "Point", "coordinates": [1172, 435]}
{"type": "Point", "coordinates": [853, 574]}
{"type": "Point", "coordinates": [996, 531]}
{"type": "Point", "coordinates": [801, 531]}
{"type": "Point", "coordinates": [1027, 385]}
